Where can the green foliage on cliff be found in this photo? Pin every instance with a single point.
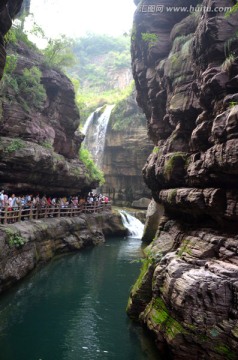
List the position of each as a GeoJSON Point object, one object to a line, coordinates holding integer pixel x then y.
{"type": "Point", "coordinates": [98, 57]}
{"type": "Point", "coordinates": [100, 60]}
{"type": "Point", "coordinates": [94, 173]}
{"type": "Point", "coordinates": [8, 80]}
{"type": "Point", "coordinates": [14, 239]}
{"type": "Point", "coordinates": [26, 87]}
{"type": "Point", "coordinates": [150, 38]}
{"type": "Point", "coordinates": [31, 91]}
{"type": "Point", "coordinates": [17, 35]}
{"type": "Point", "coordinates": [15, 145]}
{"type": "Point", "coordinates": [58, 53]}
{"type": "Point", "coordinates": [126, 114]}
{"type": "Point", "coordinates": [161, 317]}
{"type": "Point", "coordinates": [225, 351]}
{"type": "Point", "coordinates": [233, 10]}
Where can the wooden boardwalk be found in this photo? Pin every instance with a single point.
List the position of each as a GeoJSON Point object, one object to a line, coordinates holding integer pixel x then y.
{"type": "Point", "coordinates": [22, 213]}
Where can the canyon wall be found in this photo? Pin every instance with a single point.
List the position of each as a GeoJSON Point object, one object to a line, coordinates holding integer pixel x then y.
{"type": "Point", "coordinates": [39, 147]}
{"type": "Point", "coordinates": [126, 149]}
{"type": "Point", "coordinates": [185, 67]}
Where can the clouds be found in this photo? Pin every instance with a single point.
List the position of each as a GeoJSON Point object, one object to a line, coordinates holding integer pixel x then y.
{"type": "Point", "coordinates": [78, 17]}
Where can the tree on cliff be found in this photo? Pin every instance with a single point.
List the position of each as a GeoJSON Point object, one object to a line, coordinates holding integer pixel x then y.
{"type": "Point", "coordinates": [59, 54]}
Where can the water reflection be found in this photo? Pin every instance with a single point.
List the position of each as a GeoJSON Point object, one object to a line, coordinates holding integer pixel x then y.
{"type": "Point", "coordinates": [74, 308]}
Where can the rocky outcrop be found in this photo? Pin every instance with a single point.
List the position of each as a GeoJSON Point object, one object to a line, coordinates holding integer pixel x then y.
{"type": "Point", "coordinates": [186, 68]}
{"type": "Point", "coordinates": [25, 244]}
{"type": "Point", "coordinates": [126, 150]}
{"type": "Point", "coordinates": [8, 10]}
{"type": "Point", "coordinates": [40, 144]}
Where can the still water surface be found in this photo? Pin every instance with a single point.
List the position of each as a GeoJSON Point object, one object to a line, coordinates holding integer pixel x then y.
{"type": "Point", "coordinates": [74, 309]}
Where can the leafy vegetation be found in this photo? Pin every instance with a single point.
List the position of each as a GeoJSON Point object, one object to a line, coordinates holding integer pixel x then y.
{"type": "Point", "coordinates": [99, 60]}
{"type": "Point", "coordinates": [125, 112]}
{"type": "Point", "coordinates": [17, 35]}
{"type": "Point", "coordinates": [59, 54]}
{"type": "Point", "coordinates": [31, 90]}
{"type": "Point", "coordinates": [98, 57]}
{"type": "Point", "coordinates": [94, 173]}
{"type": "Point", "coordinates": [26, 87]}
{"type": "Point", "coordinates": [8, 81]}
{"type": "Point", "coordinates": [47, 145]}
{"type": "Point", "coordinates": [15, 145]}
{"type": "Point", "coordinates": [150, 38]}
{"type": "Point", "coordinates": [14, 239]}
{"type": "Point", "coordinates": [233, 10]}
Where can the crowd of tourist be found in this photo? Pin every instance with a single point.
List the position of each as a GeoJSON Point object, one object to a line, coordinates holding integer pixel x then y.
{"type": "Point", "coordinates": [26, 201]}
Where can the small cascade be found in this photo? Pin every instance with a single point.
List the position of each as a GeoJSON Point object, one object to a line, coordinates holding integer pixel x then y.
{"type": "Point", "coordinates": [134, 226]}
{"type": "Point", "coordinates": [95, 130]}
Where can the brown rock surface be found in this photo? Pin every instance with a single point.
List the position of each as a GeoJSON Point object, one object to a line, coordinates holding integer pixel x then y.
{"type": "Point", "coordinates": [42, 240]}
{"type": "Point", "coordinates": [39, 146]}
{"type": "Point", "coordinates": [187, 86]}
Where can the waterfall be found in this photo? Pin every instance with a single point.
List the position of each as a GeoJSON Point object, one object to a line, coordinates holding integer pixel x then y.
{"type": "Point", "coordinates": [134, 226]}
{"type": "Point", "coordinates": [95, 130]}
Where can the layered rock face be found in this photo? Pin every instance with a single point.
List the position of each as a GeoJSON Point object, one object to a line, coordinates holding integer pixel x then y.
{"type": "Point", "coordinates": [23, 245]}
{"type": "Point", "coordinates": [186, 71]}
{"type": "Point", "coordinates": [39, 145]}
{"type": "Point", "coordinates": [125, 153]}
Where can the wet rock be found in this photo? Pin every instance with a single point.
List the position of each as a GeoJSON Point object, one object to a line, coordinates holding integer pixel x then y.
{"type": "Point", "coordinates": [39, 241]}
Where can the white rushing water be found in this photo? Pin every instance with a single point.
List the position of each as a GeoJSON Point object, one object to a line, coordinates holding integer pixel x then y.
{"type": "Point", "coordinates": [134, 226]}
{"type": "Point", "coordinates": [95, 142]}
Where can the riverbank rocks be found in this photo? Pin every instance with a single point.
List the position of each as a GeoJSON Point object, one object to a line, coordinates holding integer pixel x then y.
{"type": "Point", "coordinates": [25, 244]}
{"type": "Point", "coordinates": [185, 65]}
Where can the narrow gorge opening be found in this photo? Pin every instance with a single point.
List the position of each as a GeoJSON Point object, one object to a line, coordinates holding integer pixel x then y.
{"type": "Point", "coordinates": [155, 101]}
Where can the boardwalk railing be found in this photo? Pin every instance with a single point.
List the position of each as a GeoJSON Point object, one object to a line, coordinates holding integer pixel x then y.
{"type": "Point", "coordinates": [34, 212]}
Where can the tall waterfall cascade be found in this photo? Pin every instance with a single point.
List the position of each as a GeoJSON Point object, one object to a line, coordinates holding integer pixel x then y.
{"type": "Point", "coordinates": [132, 224]}
{"type": "Point", "coordinates": [95, 129]}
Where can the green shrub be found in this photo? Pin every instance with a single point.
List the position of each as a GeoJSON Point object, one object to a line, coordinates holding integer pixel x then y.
{"type": "Point", "coordinates": [232, 104]}
{"type": "Point", "coordinates": [14, 239]}
{"type": "Point", "coordinates": [150, 38]}
{"type": "Point", "coordinates": [16, 35]}
{"type": "Point", "coordinates": [47, 145]}
{"type": "Point", "coordinates": [8, 81]}
{"type": "Point", "coordinates": [156, 150]}
{"type": "Point", "coordinates": [59, 53]}
{"type": "Point", "coordinates": [15, 145]}
{"type": "Point", "coordinates": [233, 10]}
{"type": "Point", "coordinates": [31, 91]}
{"type": "Point", "coordinates": [94, 173]}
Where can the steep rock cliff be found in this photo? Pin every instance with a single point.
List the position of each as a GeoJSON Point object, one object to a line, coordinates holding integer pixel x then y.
{"type": "Point", "coordinates": [126, 150]}
{"type": "Point", "coordinates": [39, 144]}
{"type": "Point", "coordinates": [186, 68]}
